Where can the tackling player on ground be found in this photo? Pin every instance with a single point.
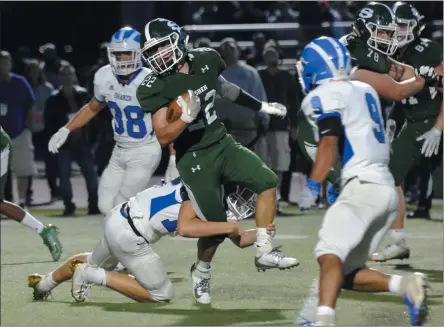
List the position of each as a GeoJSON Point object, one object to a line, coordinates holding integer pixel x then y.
{"type": "Point", "coordinates": [137, 152]}
{"type": "Point", "coordinates": [13, 211]}
{"type": "Point", "coordinates": [347, 117]}
{"type": "Point", "coordinates": [130, 230]}
{"type": "Point", "coordinates": [207, 156]}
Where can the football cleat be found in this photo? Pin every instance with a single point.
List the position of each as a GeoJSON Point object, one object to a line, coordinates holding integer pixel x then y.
{"type": "Point", "coordinates": [391, 252]}
{"type": "Point", "coordinates": [51, 240]}
{"type": "Point", "coordinates": [275, 259]}
{"type": "Point", "coordinates": [414, 288]}
{"type": "Point", "coordinates": [33, 281]}
{"type": "Point", "coordinates": [80, 289]}
{"type": "Point", "coordinates": [201, 287]}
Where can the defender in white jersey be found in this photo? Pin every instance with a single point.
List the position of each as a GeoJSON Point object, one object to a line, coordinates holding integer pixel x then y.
{"type": "Point", "coordinates": [137, 152]}
{"type": "Point", "coordinates": [130, 230]}
{"type": "Point", "coordinates": [346, 114]}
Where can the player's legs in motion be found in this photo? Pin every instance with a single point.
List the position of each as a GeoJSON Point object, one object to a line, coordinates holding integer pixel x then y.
{"type": "Point", "coordinates": [13, 211]}
{"type": "Point", "coordinates": [148, 281]}
{"type": "Point", "coordinates": [342, 255]}
{"type": "Point", "coordinates": [141, 163]}
{"type": "Point", "coordinates": [111, 180]}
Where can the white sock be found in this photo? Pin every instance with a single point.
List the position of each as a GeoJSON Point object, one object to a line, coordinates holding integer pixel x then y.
{"type": "Point", "coordinates": [395, 284]}
{"type": "Point", "coordinates": [308, 310]}
{"type": "Point", "coordinates": [263, 242]}
{"type": "Point", "coordinates": [398, 236]}
{"type": "Point", "coordinates": [32, 223]}
{"type": "Point", "coordinates": [323, 310]}
{"type": "Point", "coordinates": [95, 275]}
{"type": "Point", "coordinates": [203, 269]}
{"type": "Point", "coordinates": [47, 284]}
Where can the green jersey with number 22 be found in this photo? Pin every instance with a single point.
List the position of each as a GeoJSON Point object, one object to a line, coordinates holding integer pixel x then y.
{"type": "Point", "coordinates": [157, 92]}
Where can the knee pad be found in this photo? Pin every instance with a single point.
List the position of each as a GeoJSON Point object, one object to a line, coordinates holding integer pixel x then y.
{"type": "Point", "coordinates": [347, 284]}
{"type": "Point", "coordinates": [164, 293]}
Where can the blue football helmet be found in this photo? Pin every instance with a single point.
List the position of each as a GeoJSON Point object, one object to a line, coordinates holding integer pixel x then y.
{"type": "Point", "coordinates": [323, 59]}
{"type": "Point", "coordinates": [124, 51]}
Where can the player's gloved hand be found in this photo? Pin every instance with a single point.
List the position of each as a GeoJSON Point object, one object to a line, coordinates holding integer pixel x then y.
{"type": "Point", "coordinates": [309, 195]}
{"type": "Point", "coordinates": [333, 193]}
{"type": "Point", "coordinates": [58, 139]}
{"type": "Point", "coordinates": [191, 109]}
{"type": "Point", "coordinates": [274, 108]}
{"type": "Point", "coordinates": [171, 171]}
{"type": "Point", "coordinates": [432, 140]}
{"type": "Point", "coordinates": [431, 78]}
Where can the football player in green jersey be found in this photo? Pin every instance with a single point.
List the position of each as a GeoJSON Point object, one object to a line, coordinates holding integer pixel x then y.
{"type": "Point", "coordinates": [49, 232]}
{"type": "Point", "coordinates": [207, 156]}
{"type": "Point", "coordinates": [423, 115]}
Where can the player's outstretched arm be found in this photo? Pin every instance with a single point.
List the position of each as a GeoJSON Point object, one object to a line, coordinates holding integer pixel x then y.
{"type": "Point", "coordinates": [188, 225]}
{"type": "Point", "coordinates": [235, 94]}
{"type": "Point", "coordinates": [82, 117]}
{"type": "Point", "coordinates": [387, 87]}
{"type": "Point", "coordinates": [85, 114]}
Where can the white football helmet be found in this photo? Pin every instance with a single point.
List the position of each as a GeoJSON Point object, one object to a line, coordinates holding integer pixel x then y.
{"type": "Point", "coordinates": [124, 52]}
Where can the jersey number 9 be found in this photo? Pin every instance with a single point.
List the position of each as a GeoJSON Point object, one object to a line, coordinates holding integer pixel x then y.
{"type": "Point", "coordinates": [135, 125]}
{"type": "Point", "coordinates": [373, 109]}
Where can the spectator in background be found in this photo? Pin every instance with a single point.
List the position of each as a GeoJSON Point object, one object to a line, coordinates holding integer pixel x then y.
{"type": "Point", "coordinates": [61, 107]}
{"type": "Point", "coordinates": [202, 42]}
{"type": "Point", "coordinates": [21, 60]}
{"type": "Point", "coordinates": [279, 87]}
{"type": "Point", "coordinates": [255, 57]}
{"type": "Point", "coordinates": [16, 109]}
{"type": "Point", "coordinates": [244, 124]}
{"type": "Point", "coordinates": [51, 64]}
{"type": "Point", "coordinates": [42, 91]}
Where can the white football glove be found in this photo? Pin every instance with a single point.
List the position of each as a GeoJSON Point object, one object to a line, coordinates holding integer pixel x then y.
{"type": "Point", "coordinates": [58, 139]}
{"type": "Point", "coordinates": [274, 108]}
{"type": "Point", "coordinates": [432, 140]}
{"type": "Point", "coordinates": [189, 110]}
{"type": "Point", "coordinates": [171, 171]}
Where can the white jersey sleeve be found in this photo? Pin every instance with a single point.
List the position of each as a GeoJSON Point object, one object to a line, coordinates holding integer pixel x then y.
{"type": "Point", "coordinates": [99, 78]}
{"type": "Point", "coordinates": [157, 209]}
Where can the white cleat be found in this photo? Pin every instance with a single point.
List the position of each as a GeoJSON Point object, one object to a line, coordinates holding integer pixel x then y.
{"type": "Point", "coordinates": [80, 288]}
{"type": "Point", "coordinates": [391, 252]}
{"type": "Point", "coordinates": [201, 287]}
{"type": "Point", "coordinates": [275, 259]}
{"type": "Point", "coordinates": [325, 320]}
{"type": "Point", "coordinates": [414, 288]}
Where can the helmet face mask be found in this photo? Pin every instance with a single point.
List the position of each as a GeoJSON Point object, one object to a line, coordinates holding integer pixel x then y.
{"type": "Point", "coordinates": [124, 52]}
{"type": "Point", "coordinates": [124, 62]}
{"type": "Point", "coordinates": [383, 38]}
{"type": "Point", "coordinates": [242, 203]}
{"type": "Point", "coordinates": [162, 54]}
{"type": "Point", "coordinates": [405, 33]}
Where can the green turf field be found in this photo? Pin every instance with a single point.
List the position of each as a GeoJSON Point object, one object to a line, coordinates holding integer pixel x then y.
{"type": "Point", "coordinates": [241, 295]}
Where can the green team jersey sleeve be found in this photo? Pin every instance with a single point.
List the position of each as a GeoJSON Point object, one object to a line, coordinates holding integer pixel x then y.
{"type": "Point", "coordinates": [365, 57]}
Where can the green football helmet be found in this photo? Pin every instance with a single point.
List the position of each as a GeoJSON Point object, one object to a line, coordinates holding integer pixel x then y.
{"type": "Point", "coordinates": [376, 25]}
{"type": "Point", "coordinates": [410, 23]}
{"type": "Point", "coordinates": [165, 47]}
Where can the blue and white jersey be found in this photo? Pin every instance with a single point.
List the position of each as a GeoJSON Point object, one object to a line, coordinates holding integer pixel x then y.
{"type": "Point", "coordinates": [365, 149]}
{"type": "Point", "coordinates": [132, 126]}
{"type": "Point", "coordinates": [156, 209]}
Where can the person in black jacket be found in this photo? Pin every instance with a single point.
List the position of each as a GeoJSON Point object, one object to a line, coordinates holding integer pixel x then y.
{"type": "Point", "coordinates": [60, 107]}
